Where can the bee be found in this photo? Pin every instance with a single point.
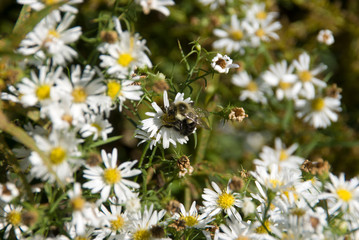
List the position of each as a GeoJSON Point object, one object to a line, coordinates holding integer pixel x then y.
{"type": "Point", "coordinates": [184, 118]}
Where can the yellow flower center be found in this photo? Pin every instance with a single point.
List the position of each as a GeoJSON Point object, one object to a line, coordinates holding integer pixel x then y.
{"type": "Point", "coordinates": [283, 155]}
{"type": "Point", "coordinates": [318, 104]}
{"type": "Point", "coordinates": [53, 34]}
{"type": "Point", "coordinates": [284, 85]}
{"type": "Point", "coordinates": [78, 203]}
{"type": "Point", "coordinates": [225, 200]}
{"type": "Point", "coordinates": [275, 183]}
{"type": "Point", "coordinates": [125, 59]}
{"type": "Point", "coordinates": [57, 155]}
{"type": "Point", "coordinates": [51, 2]}
{"type": "Point", "coordinates": [117, 224]}
{"type": "Point", "coordinates": [98, 127]}
{"type": "Point", "coordinates": [305, 76]}
{"type": "Point", "coordinates": [142, 235]}
{"type": "Point", "coordinates": [79, 95]}
{"type": "Point", "coordinates": [113, 89]}
{"type": "Point", "coordinates": [43, 92]}
{"type": "Point", "coordinates": [291, 190]}
{"type": "Point", "coordinates": [252, 86]}
{"type": "Point", "coordinates": [261, 15]}
{"type": "Point", "coordinates": [81, 238]}
{"type": "Point", "coordinates": [237, 34]}
{"type": "Point", "coordinates": [190, 221]}
{"type": "Point", "coordinates": [263, 229]}
{"type": "Point", "coordinates": [112, 175]}
{"type": "Point", "coordinates": [344, 195]}
{"type": "Point", "coordinates": [14, 218]}
{"type": "Point", "coordinates": [260, 33]}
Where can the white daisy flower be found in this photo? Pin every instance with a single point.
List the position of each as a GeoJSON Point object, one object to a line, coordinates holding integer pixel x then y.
{"type": "Point", "coordinates": [343, 195]}
{"type": "Point", "coordinates": [125, 55]}
{"type": "Point", "coordinates": [62, 117]}
{"type": "Point", "coordinates": [52, 37]}
{"type": "Point", "coordinates": [143, 223]}
{"type": "Point", "coordinates": [252, 89]}
{"type": "Point", "coordinates": [40, 88]}
{"type": "Point", "coordinates": [222, 64]}
{"type": "Point", "coordinates": [234, 229]}
{"type": "Point", "coordinates": [326, 36]}
{"type": "Point", "coordinates": [157, 5]}
{"type": "Point", "coordinates": [191, 218]}
{"type": "Point", "coordinates": [280, 155]}
{"type": "Point", "coordinates": [83, 213]}
{"type": "Point", "coordinates": [85, 92]}
{"type": "Point", "coordinates": [38, 5]}
{"type": "Point", "coordinates": [61, 150]}
{"type": "Point", "coordinates": [220, 200]}
{"type": "Point", "coordinates": [133, 204]}
{"type": "Point", "coordinates": [262, 31]}
{"type": "Point", "coordinates": [281, 76]}
{"type": "Point", "coordinates": [274, 179]}
{"type": "Point", "coordinates": [115, 222]}
{"type": "Point", "coordinates": [257, 13]}
{"type": "Point", "coordinates": [10, 218]}
{"type": "Point", "coordinates": [214, 4]}
{"type": "Point", "coordinates": [144, 136]}
{"type": "Point", "coordinates": [112, 177]}
{"type": "Point", "coordinates": [307, 78]}
{"type": "Point", "coordinates": [156, 124]}
{"type": "Point", "coordinates": [97, 126]}
{"type": "Point", "coordinates": [8, 192]}
{"type": "Point", "coordinates": [232, 38]}
{"type": "Point", "coordinates": [318, 112]}
{"type": "Point", "coordinates": [124, 89]}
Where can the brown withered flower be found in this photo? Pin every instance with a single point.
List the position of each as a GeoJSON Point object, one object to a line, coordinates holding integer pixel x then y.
{"type": "Point", "coordinates": [237, 114]}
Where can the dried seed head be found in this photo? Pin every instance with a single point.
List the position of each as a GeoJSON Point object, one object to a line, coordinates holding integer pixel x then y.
{"type": "Point", "coordinates": [236, 183]}
{"type": "Point", "coordinates": [179, 225]}
{"type": "Point", "coordinates": [333, 91]}
{"type": "Point", "coordinates": [237, 114]}
{"type": "Point", "coordinates": [109, 36]}
{"type": "Point", "coordinates": [183, 162]}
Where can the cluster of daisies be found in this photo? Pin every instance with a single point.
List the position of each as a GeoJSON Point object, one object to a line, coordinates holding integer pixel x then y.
{"type": "Point", "coordinates": [315, 102]}
{"type": "Point", "coordinates": [283, 198]}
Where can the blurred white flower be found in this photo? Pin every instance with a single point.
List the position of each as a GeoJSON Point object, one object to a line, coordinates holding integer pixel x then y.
{"type": "Point", "coordinates": [252, 89]}
{"type": "Point", "coordinates": [222, 64]}
{"type": "Point", "coordinates": [307, 80]}
{"type": "Point", "coordinates": [38, 5]}
{"type": "Point", "coordinates": [214, 4]}
{"type": "Point", "coordinates": [97, 126]}
{"type": "Point", "coordinates": [326, 36]}
{"type": "Point", "coordinates": [233, 38]}
{"type": "Point", "coordinates": [63, 155]}
{"type": "Point", "coordinates": [8, 192]}
{"type": "Point", "coordinates": [40, 88]}
{"type": "Point", "coordinates": [281, 76]}
{"type": "Point", "coordinates": [83, 213]}
{"type": "Point", "coordinates": [318, 112]}
{"type": "Point", "coordinates": [235, 228]}
{"type": "Point", "coordinates": [51, 37]}
{"type": "Point", "coordinates": [256, 12]}
{"type": "Point", "coordinates": [112, 177]}
{"type": "Point", "coordinates": [157, 5]}
{"type": "Point", "coordinates": [262, 31]}
{"type": "Point", "coordinates": [343, 195]}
